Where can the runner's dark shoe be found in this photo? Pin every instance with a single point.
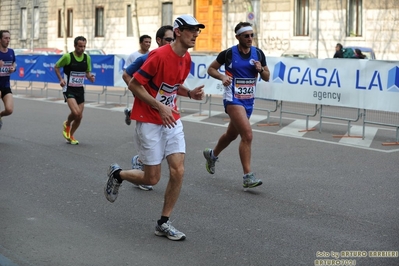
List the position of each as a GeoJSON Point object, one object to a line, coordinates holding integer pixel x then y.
{"type": "Point", "coordinates": [111, 188]}
{"type": "Point", "coordinates": [210, 162]}
{"type": "Point", "coordinates": [127, 116]}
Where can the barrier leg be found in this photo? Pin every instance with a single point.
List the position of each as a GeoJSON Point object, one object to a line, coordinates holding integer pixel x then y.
{"type": "Point", "coordinates": [321, 118]}
{"type": "Point", "coordinates": [200, 110]}
{"type": "Point", "coordinates": [269, 111]}
{"type": "Point", "coordinates": [268, 124]}
{"type": "Point", "coordinates": [349, 133]}
{"type": "Point", "coordinates": [307, 126]}
{"type": "Point", "coordinates": [393, 143]}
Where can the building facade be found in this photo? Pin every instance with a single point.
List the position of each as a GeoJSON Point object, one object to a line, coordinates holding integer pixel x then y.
{"type": "Point", "coordinates": [280, 25]}
{"type": "Point", "coordinates": [27, 22]}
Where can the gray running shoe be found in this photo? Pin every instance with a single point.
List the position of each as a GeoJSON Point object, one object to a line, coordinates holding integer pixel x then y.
{"type": "Point", "coordinates": [1, 123]}
{"type": "Point", "coordinates": [145, 187]}
{"type": "Point", "coordinates": [210, 163]}
{"type": "Point", "coordinates": [251, 181]}
{"type": "Point", "coordinates": [112, 186]}
{"type": "Point", "coordinates": [166, 229]}
{"type": "Point", "coordinates": [127, 116]}
{"type": "Point", "coordinates": [136, 164]}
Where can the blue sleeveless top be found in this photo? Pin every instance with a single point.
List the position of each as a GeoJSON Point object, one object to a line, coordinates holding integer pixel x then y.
{"type": "Point", "coordinates": [8, 58]}
{"type": "Point", "coordinates": [242, 89]}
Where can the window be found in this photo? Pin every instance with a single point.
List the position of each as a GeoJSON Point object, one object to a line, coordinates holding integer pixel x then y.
{"type": "Point", "coordinates": [60, 24]}
{"type": "Point", "coordinates": [301, 18]}
{"type": "Point", "coordinates": [167, 12]}
{"type": "Point", "coordinates": [129, 23]}
{"type": "Point", "coordinates": [24, 23]}
{"type": "Point", "coordinates": [354, 27]}
{"type": "Point", "coordinates": [69, 23]}
{"type": "Point", "coordinates": [99, 30]}
{"type": "Point", "coordinates": [36, 22]}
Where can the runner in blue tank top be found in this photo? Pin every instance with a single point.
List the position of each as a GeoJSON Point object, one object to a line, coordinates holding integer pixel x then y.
{"type": "Point", "coordinates": [243, 63]}
{"type": "Point", "coordinates": [7, 66]}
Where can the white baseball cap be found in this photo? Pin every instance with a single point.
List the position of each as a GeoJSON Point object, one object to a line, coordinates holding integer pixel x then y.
{"type": "Point", "coordinates": [187, 20]}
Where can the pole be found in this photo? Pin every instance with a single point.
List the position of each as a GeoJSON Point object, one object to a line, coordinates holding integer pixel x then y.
{"type": "Point", "coordinates": [64, 14]}
{"type": "Point", "coordinates": [317, 28]}
{"type": "Point", "coordinates": [256, 10]}
{"type": "Point", "coordinates": [33, 25]}
{"type": "Point", "coordinates": [136, 14]}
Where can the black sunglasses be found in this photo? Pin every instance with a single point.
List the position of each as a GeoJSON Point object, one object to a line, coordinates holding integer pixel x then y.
{"type": "Point", "coordinates": [246, 36]}
{"type": "Point", "coordinates": [168, 39]}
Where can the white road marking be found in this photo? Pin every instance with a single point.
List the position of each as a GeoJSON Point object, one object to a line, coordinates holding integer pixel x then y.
{"type": "Point", "coordinates": [293, 130]}
{"type": "Point", "coordinates": [357, 131]}
{"type": "Point", "coordinates": [297, 128]}
{"type": "Point", "coordinates": [197, 117]}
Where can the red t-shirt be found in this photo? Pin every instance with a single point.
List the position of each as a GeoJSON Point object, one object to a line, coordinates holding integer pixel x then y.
{"type": "Point", "coordinates": [161, 75]}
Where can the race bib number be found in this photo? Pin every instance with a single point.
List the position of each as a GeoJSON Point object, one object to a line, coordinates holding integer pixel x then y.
{"type": "Point", "coordinates": [76, 79]}
{"type": "Point", "coordinates": [5, 69]}
{"type": "Point", "coordinates": [244, 88]}
{"type": "Point", "coordinates": [167, 95]}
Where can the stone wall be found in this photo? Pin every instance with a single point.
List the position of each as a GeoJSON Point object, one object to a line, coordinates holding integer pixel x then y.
{"type": "Point", "coordinates": [11, 20]}
{"type": "Point", "coordinates": [274, 26]}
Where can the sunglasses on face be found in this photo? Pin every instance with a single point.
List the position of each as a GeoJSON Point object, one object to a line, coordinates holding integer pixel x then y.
{"type": "Point", "coordinates": [246, 36]}
{"type": "Point", "coordinates": [192, 30]}
{"type": "Point", "coordinates": [169, 39]}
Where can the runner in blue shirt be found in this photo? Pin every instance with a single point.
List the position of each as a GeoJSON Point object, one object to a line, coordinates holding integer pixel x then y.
{"type": "Point", "coordinates": [7, 66]}
{"type": "Point", "coordinates": [244, 64]}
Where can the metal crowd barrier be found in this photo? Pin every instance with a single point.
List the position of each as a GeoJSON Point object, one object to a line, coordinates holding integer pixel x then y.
{"type": "Point", "coordinates": [327, 111]}
{"type": "Point", "coordinates": [267, 110]}
{"type": "Point", "coordinates": [351, 115]}
{"type": "Point", "coordinates": [200, 103]}
{"type": "Point", "coordinates": [120, 95]}
{"type": "Point", "coordinates": [301, 110]}
{"type": "Point", "coordinates": [387, 119]}
{"type": "Point", "coordinates": [28, 87]}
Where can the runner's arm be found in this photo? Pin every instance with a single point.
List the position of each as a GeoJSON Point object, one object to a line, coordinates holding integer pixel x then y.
{"type": "Point", "coordinates": [63, 61]}
{"type": "Point", "coordinates": [165, 111]}
{"type": "Point", "coordinates": [213, 72]}
{"type": "Point", "coordinates": [196, 94]}
{"type": "Point", "coordinates": [126, 77]}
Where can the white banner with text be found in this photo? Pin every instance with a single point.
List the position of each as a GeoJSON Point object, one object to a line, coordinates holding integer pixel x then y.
{"type": "Point", "coordinates": [365, 84]}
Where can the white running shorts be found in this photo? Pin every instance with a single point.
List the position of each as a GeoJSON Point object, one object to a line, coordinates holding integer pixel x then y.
{"type": "Point", "coordinates": [156, 142]}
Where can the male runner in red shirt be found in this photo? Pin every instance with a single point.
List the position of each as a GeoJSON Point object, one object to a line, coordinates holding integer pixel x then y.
{"type": "Point", "coordinates": [159, 131]}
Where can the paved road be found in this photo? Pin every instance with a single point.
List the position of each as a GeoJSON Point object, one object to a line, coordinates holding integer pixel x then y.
{"type": "Point", "coordinates": [318, 197]}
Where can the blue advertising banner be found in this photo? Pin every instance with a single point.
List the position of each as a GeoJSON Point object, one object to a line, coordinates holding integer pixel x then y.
{"type": "Point", "coordinates": [103, 69]}
{"type": "Point", "coordinates": [40, 68]}
{"type": "Point", "coordinates": [368, 84]}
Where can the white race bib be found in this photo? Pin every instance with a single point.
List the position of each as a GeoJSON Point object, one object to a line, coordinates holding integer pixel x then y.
{"type": "Point", "coordinates": [76, 79]}
{"type": "Point", "coordinates": [244, 88]}
{"type": "Point", "coordinates": [5, 69]}
{"type": "Point", "coordinates": [167, 95]}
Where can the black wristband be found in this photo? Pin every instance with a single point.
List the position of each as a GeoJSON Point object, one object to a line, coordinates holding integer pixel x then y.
{"type": "Point", "coordinates": [261, 70]}
{"type": "Point", "coordinates": [188, 94]}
